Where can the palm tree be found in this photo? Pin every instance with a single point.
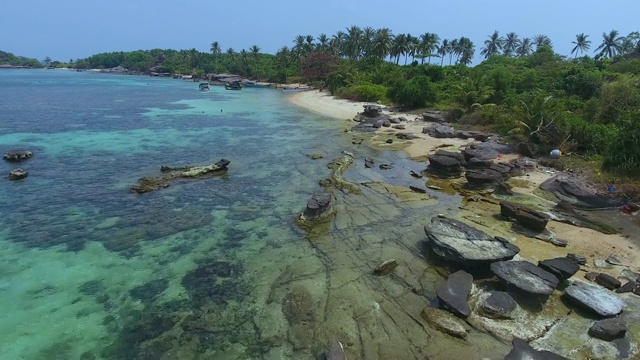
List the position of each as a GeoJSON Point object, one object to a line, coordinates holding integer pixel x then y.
{"type": "Point", "coordinates": [443, 50]}
{"type": "Point", "coordinates": [541, 40]}
{"type": "Point", "coordinates": [308, 45]}
{"type": "Point", "coordinates": [511, 43]}
{"type": "Point", "coordinates": [368, 34]}
{"type": "Point", "coordinates": [466, 50]}
{"type": "Point", "coordinates": [400, 46]}
{"type": "Point", "coordinates": [255, 51]}
{"type": "Point", "coordinates": [471, 94]}
{"type": "Point", "coordinates": [525, 48]}
{"type": "Point", "coordinates": [283, 56]}
{"type": "Point", "coordinates": [323, 42]}
{"type": "Point", "coordinates": [582, 44]}
{"type": "Point", "coordinates": [354, 42]}
{"type": "Point", "coordinates": [215, 50]}
{"type": "Point", "coordinates": [454, 50]}
{"type": "Point", "coordinates": [492, 46]}
{"type": "Point", "coordinates": [337, 43]}
{"type": "Point", "coordinates": [428, 44]}
{"type": "Point", "coordinates": [611, 44]}
{"type": "Point", "coordinates": [382, 43]}
{"type": "Point", "coordinates": [412, 47]}
{"type": "Point", "coordinates": [244, 56]}
{"type": "Point", "coordinates": [298, 48]}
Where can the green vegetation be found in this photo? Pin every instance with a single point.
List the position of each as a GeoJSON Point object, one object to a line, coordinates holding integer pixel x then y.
{"type": "Point", "coordinates": [10, 59]}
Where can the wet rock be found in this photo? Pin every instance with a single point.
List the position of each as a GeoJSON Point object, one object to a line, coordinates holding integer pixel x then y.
{"type": "Point", "coordinates": [458, 242]}
{"type": "Point", "coordinates": [17, 156]}
{"type": "Point", "coordinates": [578, 259]}
{"type": "Point", "coordinates": [562, 268]}
{"type": "Point", "coordinates": [386, 123]}
{"type": "Point", "coordinates": [608, 329]}
{"type": "Point", "coordinates": [608, 281]}
{"type": "Point", "coordinates": [445, 322]}
{"type": "Point", "coordinates": [378, 124]}
{"type": "Point", "coordinates": [595, 298]}
{"type": "Point", "coordinates": [613, 260]}
{"type": "Point", "coordinates": [417, 189]}
{"type": "Point", "coordinates": [368, 163]}
{"type": "Point", "coordinates": [601, 264]}
{"type": "Point", "coordinates": [385, 166]}
{"type": "Point", "coordinates": [17, 174]}
{"type": "Point", "coordinates": [434, 116]}
{"type": "Point", "coordinates": [559, 242]}
{"type": "Point", "coordinates": [483, 178]}
{"type": "Point", "coordinates": [521, 351]}
{"type": "Point", "coordinates": [389, 141]}
{"type": "Point", "coordinates": [440, 131]}
{"type": "Point", "coordinates": [407, 136]}
{"type": "Point", "coordinates": [335, 351]}
{"type": "Point", "coordinates": [454, 292]}
{"type": "Point", "coordinates": [525, 276]}
{"type": "Point", "coordinates": [445, 165]}
{"type": "Point", "coordinates": [399, 127]}
{"type": "Point", "coordinates": [498, 305]}
{"type": "Point", "coordinates": [526, 217]}
{"type": "Point", "coordinates": [315, 156]}
{"type": "Point", "coordinates": [416, 175]}
{"type": "Point", "coordinates": [475, 163]}
{"type": "Point", "coordinates": [591, 276]}
{"type": "Point", "coordinates": [386, 267]}
{"type": "Point", "coordinates": [579, 194]}
{"type": "Point", "coordinates": [396, 120]}
{"type": "Point", "coordinates": [630, 286]}
{"type": "Point", "coordinates": [147, 184]}
{"type": "Point", "coordinates": [318, 208]}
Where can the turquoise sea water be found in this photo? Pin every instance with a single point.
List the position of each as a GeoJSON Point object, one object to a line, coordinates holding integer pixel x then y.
{"type": "Point", "coordinates": [215, 268]}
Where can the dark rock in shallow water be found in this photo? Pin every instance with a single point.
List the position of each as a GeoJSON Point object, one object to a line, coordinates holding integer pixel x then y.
{"type": "Point", "coordinates": [149, 291]}
{"type": "Point", "coordinates": [318, 207]}
{"type": "Point", "coordinates": [386, 267]}
{"type": "Point", "coordinates": [578, 259]}
{"type": "Point", "coordinates": [16, 156]}
{"type": "Point", "coordinates": [578, 194]}
{"type": "Point", "coordinates": [499, 305]}
{"type": "Point", "coordinates": [455, 241]}
{"type": "Point", "coordinates": [562, 268]}
{"type": "Point", "coordinates": [407, 136]}
{"type": "Point", "coordinates": [454, 292]}
{"type": "Point", "coordinates": [385, 166]}
{"type": "Point", "coordinates": [147, 184]}
{"type": "Point", "coordinates": [483, 178]}
{"type": "Point", "coordinates": [608, 329]}
{"type": "Point", "coordinates": [595, 298]}
{"type": "Point", "coordinates": [18, 174]}
{"type": "Point", "coordinates": [525, 276]}
{"type": "Point", "coordinates": [526, 217]}
{"type": "Point", "coordinates": [523, 351]}
{"type": "Point", "coordinates": [445, 165]}
{"type": "Point", "coordinates": [368, 163]}
{"type": "Point", "coordinates": [215, 281]}
{"type": "Point", "coordinates": [445, 322]}
{"type": "Point", "coordinates": [608, 281]}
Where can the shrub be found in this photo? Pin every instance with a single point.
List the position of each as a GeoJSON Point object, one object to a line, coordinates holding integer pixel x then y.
{"type": "Point", "coordinates": [412, 93]}
{"type": "Point", "coordinates": [362, 92]}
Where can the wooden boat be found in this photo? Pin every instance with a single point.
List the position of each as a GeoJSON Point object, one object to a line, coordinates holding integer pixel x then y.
{"type": "Point", "coordinates": [255, 85]}
{"type": "Point", "coordinates": [233, 86]}
{"type": "Point", "coordinates": [295, 89]}
{"type": "Point", "coordinates": [204, 86]}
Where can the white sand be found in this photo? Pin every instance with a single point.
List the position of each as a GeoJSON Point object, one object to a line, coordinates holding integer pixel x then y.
{"type": "Point", "coordinates": [325, 104]}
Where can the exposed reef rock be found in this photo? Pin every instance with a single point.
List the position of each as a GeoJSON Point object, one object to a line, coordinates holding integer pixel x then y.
{"type": "Point", "coordinates": [319, 207]}
{"type": "Point", "coordinates": [499, 305]}
{"type": "Point", "coordinates": [458, 242]}
{"type": "Point", "coordinates": [445, 322]}
{"type": "Point", "coordinates": [562, 268]}
{"type": "Point", "coordinates": [608, 329]}
{"type": "Point", "coordinates": [454, 292]}
{"type": "Point", "coordinates": [18, 174]}
{"type": "Point", "coordinates": [525, 276]}
{"type": "Point", "coordinates": [339, 166]}
{"type": "Point", "coordinates": [526, 217]}
{"type": "Point", "coordinates": [446, 164]}
{"type": "Point", "coordinates": [595, 298]}
{"type": "Point", "coordinates": [521, 350]}
{"type": "Point", "coordinates": [170, 173]}
{"type": "Point", "coordinates": [579, 194]}
{"type": "Point", "coordinates": [17, 156]}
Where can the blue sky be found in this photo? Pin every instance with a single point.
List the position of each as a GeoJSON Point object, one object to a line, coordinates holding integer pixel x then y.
{"type": "Point", "coordinates": [66, 29]}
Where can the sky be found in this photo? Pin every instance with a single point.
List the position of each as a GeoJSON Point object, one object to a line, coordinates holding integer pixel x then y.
{"type": "Point", "coordinates": [72, 29]}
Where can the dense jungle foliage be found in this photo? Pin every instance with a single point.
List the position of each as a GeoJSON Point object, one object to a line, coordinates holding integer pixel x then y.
{"type": "Point", "coordinates": [522, 88]}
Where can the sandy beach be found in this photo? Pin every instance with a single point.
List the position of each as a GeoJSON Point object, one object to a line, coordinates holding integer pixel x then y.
{"type": "Point", "coordinates": [590, 243]}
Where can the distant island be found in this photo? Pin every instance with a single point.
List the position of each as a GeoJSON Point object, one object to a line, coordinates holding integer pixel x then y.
{"type": "Point", "coordinates": [587, 106]}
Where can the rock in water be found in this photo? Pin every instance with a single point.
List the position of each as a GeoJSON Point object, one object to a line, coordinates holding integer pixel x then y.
{"type": "Point", "coordinates": [526, 217]}
{"type": "Point", "coordinates": [454, 292]}
{"type": "Point", "coordinates": [595, 298]}
{"type": "Point", "coordinates": [18, 174]}
{"type": "Point", "coordinates": [386, 267]}
{"type": "Point", "coordinates": [498, 305]}
{"type": "Point", "coordinates": [318, 207]}
{"type": "Point", "coordinates": [445, 322]}
{"type": "Point", "coordinates": [455, 241]}
{"type": "Point", "coordinates": [445, 165]}
{"type": "Point", "coordinates": [608, 329]}
{"type": "Point", "coordinates": [18, 156]}
{"type": "Point", "coordinates": [523, 351]}
{"type": "Point", "coordinates": [336, 351]}
{"type": "Point", "coordinates": [562, 268]}
{"type": "Point", "coordinates": [525, 276]}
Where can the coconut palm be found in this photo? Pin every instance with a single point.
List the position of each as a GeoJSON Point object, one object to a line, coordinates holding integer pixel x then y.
{"type": "Point", "coordinates": [630, 43]}
{"type": "Point", "coordinates": [400, 46]}
{"type": "Point", "coordinates": [412, 48]}
{"type": "Point", "coordinates": [354, 42]}
{"type": "Point", "coordinates": [283, 58]}
{"type": "Point", "coordinates": [466, 49]}
{"type": "Point", "coordinates": [368, 34]}
{"type": "Point", "coordinates": [255, 51]}
{"type": "Point", "coordinates": [541, 40]}
{"type": "Point", "coordinates": [298, 46]}
{"type": "Point", "coordinates": [524, 48]}
{"type": "Point", "coordinates": [428, 44]}
{"type": "Point", "coordinates": [215, 50]}
{"type": "Point", "coordinates": [308, 44]}
{"type": "Point", "coordinates": [611, 44]}
{"type": "Point", "coordinates": [582, 44]}
{"type": "Point", "coordinates": [323, 42]}
{"type": "Point", "coordinates": [454, 50]}
{"type": "Point", "coordinates": [244, 56]}
{"type": "Point", "coordinates": [492, 46]}
{"type": "Point", "coordinates": [511, 43]}
{"type": "Point", "coordinates": [382, 43]}
{"type": "Point", "coordinates": [337, 43]}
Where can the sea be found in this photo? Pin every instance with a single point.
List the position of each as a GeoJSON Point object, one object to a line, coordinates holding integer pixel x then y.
{"type": "Point", "coordinates": [217, 267]}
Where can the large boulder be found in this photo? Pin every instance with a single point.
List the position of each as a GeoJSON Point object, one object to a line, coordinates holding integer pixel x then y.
{"type": "Point", "coordinates": [608, 329]}
{"type": "Point", "coordinates": [17, 156]}
{"type": "Point", "coordinates": [458, 242]}
{"type": "Point", "coordinates": [445, 165]}
{"type": "Point", "coordinates": [524, 216]}
{"type": "Point", "coordinates": [18, 174]}
{"type": "Point", "coordinates": [562, 268]}
{"type": "Point", "coordinates": [440, 131]}
{"type": "Point", "coordinates": [483, 179]}
{"type": "Point", "coordinates": [454, 292]}
{"type": "Point", "coordinates": [522, 350]}
{"type": "Point", "coordinates": [579, 194]}
{"type": "Point", "coordinates": [595, 298]}
{"type": "Point", "coordinates": [434, 116]}
{"type": "Point", "coordinates": [318, 207]}
{"type": "Point", "coordinates": [525, 276]}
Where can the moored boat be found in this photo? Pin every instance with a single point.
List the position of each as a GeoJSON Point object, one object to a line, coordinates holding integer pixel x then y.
{"type": "Point", "coordinates": [255, 85]}
{"type": "Point", "coordinates": [296, 89]}
{"type": "Point", "coordinates": [204, 86]}
{"type": "Point", "coordinates": [233, 86]}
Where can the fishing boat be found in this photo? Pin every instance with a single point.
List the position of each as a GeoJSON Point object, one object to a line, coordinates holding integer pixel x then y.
{"type": "Point", "coordinates": [255, 85]}
{"type": "Point", "coordinates": [233, 86]}
{"type": "Point", "coordinates": [204, 86]}
{"type": "Point", "coordinates": [295, 89]}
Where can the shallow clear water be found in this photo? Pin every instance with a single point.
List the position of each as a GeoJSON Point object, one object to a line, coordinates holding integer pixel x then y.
{"type": "Point", "coordinates": [214, 267]}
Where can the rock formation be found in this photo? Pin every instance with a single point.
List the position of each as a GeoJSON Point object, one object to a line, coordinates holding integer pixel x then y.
{"type": "Point", "coordinates": [454, 292]}
{"type": "Point", "coordinates": [525, 276]}
{"type": "Point", "coordinates": [17, 174]}
{"type": "Point", "coordinates": [17, 156]}
{"type": "Point", "coordinates": [595, 298]}
{"type": "Point", "coordinates": [147, 184]}
{"type": "Point", "coordinates": [524, 216]}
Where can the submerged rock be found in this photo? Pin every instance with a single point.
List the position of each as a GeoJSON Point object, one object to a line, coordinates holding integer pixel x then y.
{"type": "Point", "coordinates": [608, 329]}
{"type": "Point", "coordinates": [386, 267]}
{"type": "Point", "coordinates": [455, 241]}
{"type": "Point", "coordinates": [595, 298]}
{"type": "Point", "coordinates": [16, 156]}
{"type": "Point", "coordinates": [147, 184]}
{"type": "Point", "coordinates": [318, 208]}
{"type": "Point", "coordinates": [454, 292]}
{"type": "Point", "coordinates": [18, 174]}
{"type": "Point", "coordinates": [562, 268]}
{"type": "Point", "coordinates": [498, 305]}
{"type": "Point", "coordinates": [521, 351]}
{"type": "Point", "coordinates": [336, 351]}
{"type": "Point", "coordinates": [445, 322]}
{"type": "Point", "coordinates": [525, 276]}
{"type": "Point", "coordinates": [524, 216]}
